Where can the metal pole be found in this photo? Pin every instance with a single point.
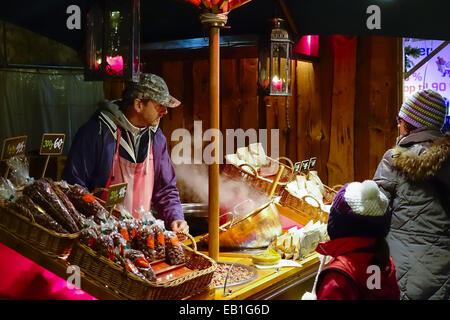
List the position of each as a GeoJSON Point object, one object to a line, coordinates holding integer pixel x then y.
{"type": "Point", "coordinates": [213, 194]}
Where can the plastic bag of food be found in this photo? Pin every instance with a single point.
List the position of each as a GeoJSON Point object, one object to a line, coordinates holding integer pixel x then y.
{"type": "Point", "coordinates": [108, 225]}
{"type": "Point", "coordinates": [76, 216]}
{"type": "Point", "coordinates": [19, 170]}
{"type": "Point", "coordinates": [133, 269]}
{"type": "Point", "coordinates": [147, 217]}
{"type": "Point", "coordinates": [141, 263]}
{"type": "Point", "coordinates": [7, 190]}
{"type": "Point", "coordinates": [120, 244]}
{"type": "Point", "coordinates": [89, 237]}
{"type": "Point", "coordinates": [160, 243]}
{"type": "Point", "coordinates": [174, 251]}
{"type": "Point", "coordinates": [124, 212]}
{"type": "Point", "coordinates": [105, 245]}
{"type": "Point", "coordinates": [42, 193]}
{"type": "Point", "coordinates": [132, 226]}
{"type": "Point", "coordinates": [145, 241]}
{"type": "Point", "coordinates": [86, 203]}
{"type": "Point", "coordinates": [25, 204]}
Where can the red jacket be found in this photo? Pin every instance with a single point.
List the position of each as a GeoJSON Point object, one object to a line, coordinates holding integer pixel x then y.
{"type": "Point", "coordinates": [350, 276]}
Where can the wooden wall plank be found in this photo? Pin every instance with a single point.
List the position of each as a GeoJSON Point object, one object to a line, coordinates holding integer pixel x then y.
{"type": "Point", "coordinates": [341, 161]}
{"type": "Point", "coordinates": [305, 80]}
{"type": "Point", "coordinates": [188, 99]}
{"type": "Point", "coordinates": [384, 78]}
{"type": "Point", "coordinates": [376, 102]}
{"type": "Point", "coordinates": [363, 107]}
{"type": "Point", "coordinates": [230, 100]}
{"type": "Point", "coordinates": [248, 74]}
{"type": "Point", "coordinates": [172, 73]}
{"type": "Point", "coordinates": [324, 87]}
{"type": "Point", "coordinates": [201, 105]}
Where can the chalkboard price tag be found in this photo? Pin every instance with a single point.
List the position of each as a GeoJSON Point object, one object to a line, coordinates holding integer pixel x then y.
{"type": "Point", "coordinates": [13, 147]}
{"type": "Point", "coordinates": [312, 163]}
{"type": "Point", "coordinates": [116, 194]}
{"type": "Point", "coordinates": [297, 167]}
{"type": "Point", "coordinates": [305, 165]}
{"type": "Point", "coordinates": [52, 144]}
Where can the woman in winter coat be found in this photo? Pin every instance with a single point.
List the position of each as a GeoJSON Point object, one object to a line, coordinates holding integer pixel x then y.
{"type": "Point", "coordinates": [361, 267]}
{"type": "Point", "coordinates": [415, 177]}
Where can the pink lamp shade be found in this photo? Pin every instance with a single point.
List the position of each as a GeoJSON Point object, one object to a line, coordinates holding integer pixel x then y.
{"type": "Point", "coordinates": [307, 45]}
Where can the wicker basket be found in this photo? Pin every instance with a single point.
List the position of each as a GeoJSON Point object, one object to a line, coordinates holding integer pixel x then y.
{"type": "Point", "coordinates": [261, 183]}
{"type": "Point", "coordinates": [130, 286]}
{"type": "Point", "coordinates": [49, 242]}
{"type": "Point", "coordinates": [305, 209]}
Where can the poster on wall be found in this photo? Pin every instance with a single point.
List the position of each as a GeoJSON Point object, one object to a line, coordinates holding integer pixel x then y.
{"type": "Point", "coordinates": [435, 74]}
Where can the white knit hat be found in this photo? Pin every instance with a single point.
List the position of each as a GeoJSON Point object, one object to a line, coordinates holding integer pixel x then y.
{"type": "Point", "coordinates": [366, 199]}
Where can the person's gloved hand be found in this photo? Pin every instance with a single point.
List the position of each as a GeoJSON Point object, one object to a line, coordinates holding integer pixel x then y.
{"type": "Point", "coordinates": [180, 225]}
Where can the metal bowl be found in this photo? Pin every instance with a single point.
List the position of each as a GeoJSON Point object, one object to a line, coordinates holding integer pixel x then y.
{"type": "Point", "coordinates": [249, 268]}
{"type": "Point", "coordinates": [255, 230]}
{"type": "Point", "coordinates": [196, 215]}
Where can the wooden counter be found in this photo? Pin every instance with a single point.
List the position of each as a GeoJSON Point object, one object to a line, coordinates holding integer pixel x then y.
{"type": "Point", "coordinates": [270, 283]}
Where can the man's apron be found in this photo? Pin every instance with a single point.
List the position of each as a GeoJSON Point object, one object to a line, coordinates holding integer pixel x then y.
{"type": "Point", "coordinates": [138, 176]}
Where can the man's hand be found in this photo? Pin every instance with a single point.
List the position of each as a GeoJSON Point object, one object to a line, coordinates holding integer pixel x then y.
{"type": "Point", "coordinates": [180, 225]}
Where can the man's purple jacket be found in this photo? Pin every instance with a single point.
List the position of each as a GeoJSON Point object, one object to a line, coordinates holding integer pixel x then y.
{"type": "Point", "coordinates": [90, 161]}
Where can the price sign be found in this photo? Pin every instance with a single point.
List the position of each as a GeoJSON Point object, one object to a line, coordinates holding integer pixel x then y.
{"type": "Point", "coordinates": [52, 143]}
{"type": "Point", "coordinates": [305, 165]}
{"type": "Point", "coordinates": [312, 163]}
{"type": "Point", "coordinates": [13, 147]}
{"type": "Point", "coordinates": [297, 167]}
{"type": "Point", "coordinates": [116, 194]}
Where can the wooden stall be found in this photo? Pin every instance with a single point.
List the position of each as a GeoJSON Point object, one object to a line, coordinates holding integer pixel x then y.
{"type": "Point", "coordinates": [342, 109]}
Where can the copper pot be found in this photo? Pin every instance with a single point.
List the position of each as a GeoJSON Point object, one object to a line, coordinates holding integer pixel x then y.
{"type": "Point", "coordinates": [254, 230]}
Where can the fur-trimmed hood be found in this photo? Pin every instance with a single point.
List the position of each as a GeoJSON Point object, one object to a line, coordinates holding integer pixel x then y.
{"type": "Point", "coordinates": [421, 155]}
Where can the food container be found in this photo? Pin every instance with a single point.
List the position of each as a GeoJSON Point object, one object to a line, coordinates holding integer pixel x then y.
{"type": "Point", "coordinates": [48, 242]}
{"type": "Point", "coordinates": [230, 274]}
{"type": "Point", "coordinates": [196, 215]}
{"type": "Point", "coordinates": [250, 175]}
{"type": "Point", "coordinates": [117, 278]}
{"type": "Point", "coordinates": [254, 230]}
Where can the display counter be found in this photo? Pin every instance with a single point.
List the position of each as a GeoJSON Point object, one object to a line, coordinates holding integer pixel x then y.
{"type": "Point", "coordinates": [269, 284]}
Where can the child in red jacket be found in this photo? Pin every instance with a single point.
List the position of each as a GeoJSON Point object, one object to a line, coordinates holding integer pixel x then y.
{"type": "Point", "coordinates": [361, 267]}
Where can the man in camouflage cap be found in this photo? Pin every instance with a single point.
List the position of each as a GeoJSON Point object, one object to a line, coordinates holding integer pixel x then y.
{"type": "Point", "coordinates": [122, 143]}
{"type": "Point", "coordinates": [151, 86]}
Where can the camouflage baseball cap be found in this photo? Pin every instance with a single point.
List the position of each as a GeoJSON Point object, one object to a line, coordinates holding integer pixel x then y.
{"type": "Point", "coordinates": [151, 86]}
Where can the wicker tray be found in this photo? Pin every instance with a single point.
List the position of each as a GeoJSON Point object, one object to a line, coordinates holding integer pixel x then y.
{"type": "Point", "coordinates": [49, 242]}
{"type": "Point", "coordinates": [305, 209]}
{"type": "Point", "coordinates": [263, 184]}
{"type": "Point", "coordinates": [130, 286]}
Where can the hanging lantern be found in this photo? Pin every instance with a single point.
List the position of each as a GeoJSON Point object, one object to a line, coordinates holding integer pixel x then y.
{"type": "Point", "coordinates": [274, 65]}
{"type": "Point", "coordinates": [113, 40]}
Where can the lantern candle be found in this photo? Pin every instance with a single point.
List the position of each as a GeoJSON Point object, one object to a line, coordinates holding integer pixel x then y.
{"type": "Point", "coordinates": [115, 64]}
{"type": "Point", "coordinates": [277, 83]}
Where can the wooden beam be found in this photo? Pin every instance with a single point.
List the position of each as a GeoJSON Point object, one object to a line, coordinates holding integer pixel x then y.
{"type": "Point", "coordinates": [213, 183]}
{"type": "Point", "coordinates": [289, 18]}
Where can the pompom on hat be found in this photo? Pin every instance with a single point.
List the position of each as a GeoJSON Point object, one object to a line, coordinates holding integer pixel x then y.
{"type": "Point", "coordinates": [425, 108]}
{"type": "Point", "coordinates": [359, 210]}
